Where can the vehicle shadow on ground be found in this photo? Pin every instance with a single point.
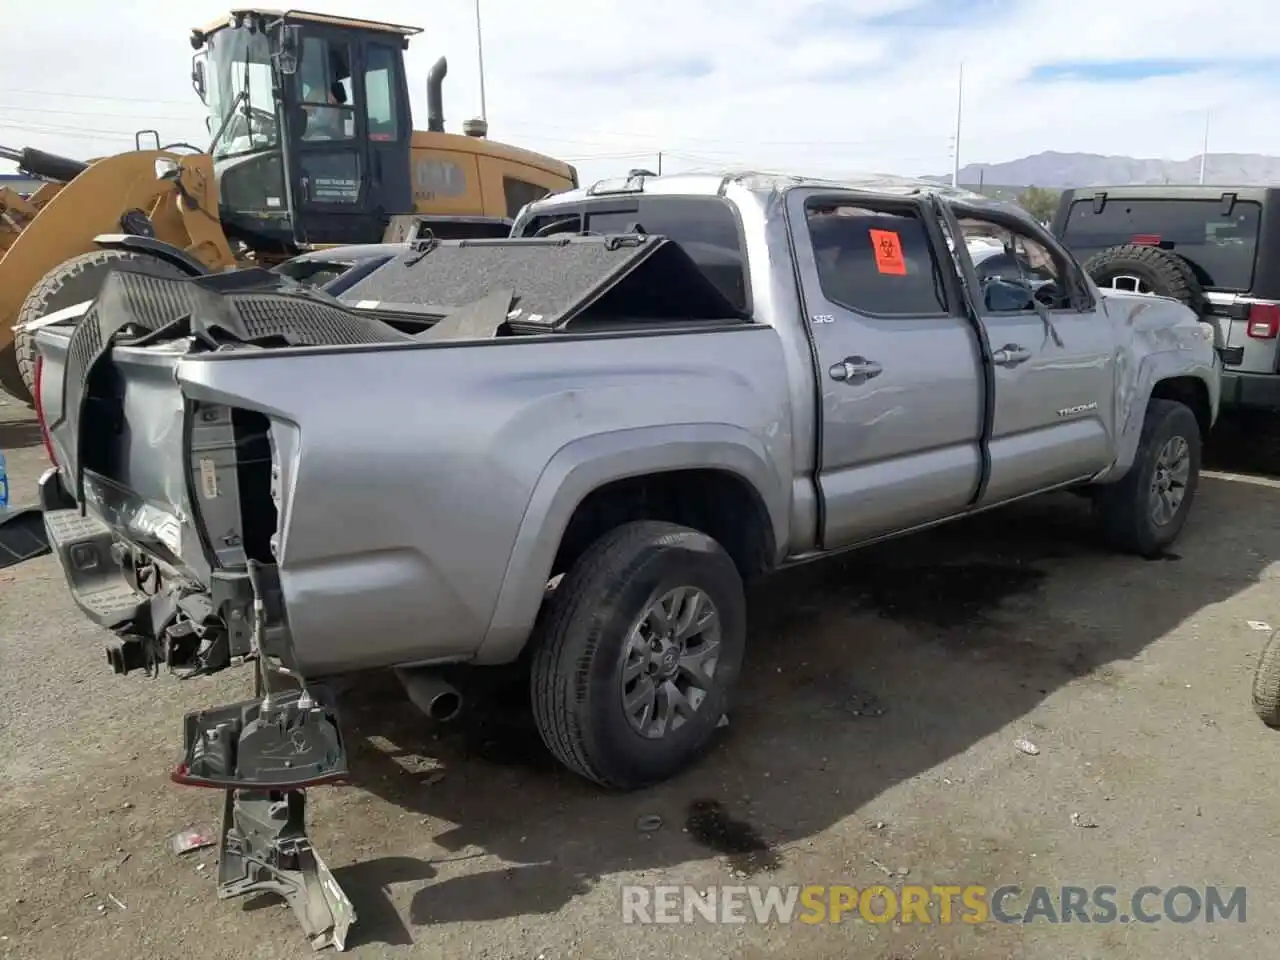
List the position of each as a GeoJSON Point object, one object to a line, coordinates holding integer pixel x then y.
{"type": "Point", "coordinates": [862, 672]}
{"type": "Point", "coordinates": [1245, 442]}
{"type": "Point", "coordinates": [18, 434]}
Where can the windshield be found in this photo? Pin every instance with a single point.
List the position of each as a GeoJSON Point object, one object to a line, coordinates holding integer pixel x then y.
{"type": "Point", "coordinates": [239, 62]}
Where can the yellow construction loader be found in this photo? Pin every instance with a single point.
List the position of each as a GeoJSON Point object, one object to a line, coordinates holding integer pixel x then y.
{"type": "Point", "coordinates": [313, 148]}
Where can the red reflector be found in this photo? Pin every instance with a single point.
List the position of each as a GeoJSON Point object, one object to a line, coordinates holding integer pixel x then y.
{"type": "Point", "coordinates": [37, 379]}
{"type": "Point", "coordinates": [1264, 321]}
{"type": "Point", "coordinates": [1146, 239]}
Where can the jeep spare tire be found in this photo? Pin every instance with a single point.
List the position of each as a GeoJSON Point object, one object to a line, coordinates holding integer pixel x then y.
{"type": "Point", "coordinates": [1156, 271]}
{"type": "Point", "coordinates": [72, 282]}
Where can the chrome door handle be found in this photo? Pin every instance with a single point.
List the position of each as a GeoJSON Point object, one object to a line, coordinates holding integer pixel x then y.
{"type": "Point", "coordinates": [854, 370]}
{"type": "Point", "coordinates": [1010, 355]}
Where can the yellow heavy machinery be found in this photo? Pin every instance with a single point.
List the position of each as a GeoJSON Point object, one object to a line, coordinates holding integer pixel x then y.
{"type": "Point", "coordinates": [313, 146]}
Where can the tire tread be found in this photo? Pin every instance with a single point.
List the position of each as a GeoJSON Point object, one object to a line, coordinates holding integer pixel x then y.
{"type": "Point", "coordinates": [33, 306]}
{"type": "Point", "coordinates": [570, 630]}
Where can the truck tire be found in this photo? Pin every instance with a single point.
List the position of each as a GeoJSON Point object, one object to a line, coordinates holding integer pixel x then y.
{"type": "Point", "coordinates": [610, 650]}
{"type": "Point", "coordinates": [1143, 512]}
{"type": "Point", "coordinates": [1266, 682]}
{"type": "Point", "coordinates": [74, 281]}
{"type": "Point", "coordinates": [1163, 273]}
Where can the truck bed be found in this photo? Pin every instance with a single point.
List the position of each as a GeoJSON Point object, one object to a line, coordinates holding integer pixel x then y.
{"type": "Point", "coordinates": [381, 481]}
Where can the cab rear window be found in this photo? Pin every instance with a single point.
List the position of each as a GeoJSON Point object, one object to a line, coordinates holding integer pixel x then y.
{"type": "Point", "coordinates": [1220, 246]}
{"type": "Point", "coordinates": [706, 228]}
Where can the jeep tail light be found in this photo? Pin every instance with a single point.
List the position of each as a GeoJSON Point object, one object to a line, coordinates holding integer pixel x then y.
{"type": "Point", "coordinates": [35, 399]}
{"type": "Point", "coordinates": [1264, 321]}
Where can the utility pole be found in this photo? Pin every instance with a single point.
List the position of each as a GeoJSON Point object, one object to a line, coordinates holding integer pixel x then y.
{"type": "Point", "coordinates": [955, 169]}
{"type": "Point", "coordinates": [659, 163]}
{"type": "Point", "coordinates": [1204, 151]}
{"type": "Point", "coordinates": [480, 56]}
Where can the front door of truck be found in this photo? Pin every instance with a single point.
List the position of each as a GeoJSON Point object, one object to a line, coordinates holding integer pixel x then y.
{"type": "Point", "coordinates": [897, 362]}
{"type": "Point", "coordinates": [1052, 355]}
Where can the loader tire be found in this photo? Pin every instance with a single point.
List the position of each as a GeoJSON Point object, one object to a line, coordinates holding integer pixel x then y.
{"type": "Point", "coordinates": [67, 284]}
{"type": "Point", "coordinates": [1266, 683]}
{"type": "Point", "coordinates": [609, 663]}
{"type": "Point", "coordinates": [1144, 511]}
{"type": "Point", "coordinates": [1165, 274]}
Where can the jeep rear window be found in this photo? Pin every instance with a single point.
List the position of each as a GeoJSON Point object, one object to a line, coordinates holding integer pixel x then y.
{"type": "Point", "coordinates": [705, 227]}
{"type": "Point", "coordinates": [1219, 246]}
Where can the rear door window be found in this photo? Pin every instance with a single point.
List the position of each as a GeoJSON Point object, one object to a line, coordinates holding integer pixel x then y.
{"type": "Point", "coordinates": [875, 262]}
{"type": "Point", "coordinates": [1220, 246]}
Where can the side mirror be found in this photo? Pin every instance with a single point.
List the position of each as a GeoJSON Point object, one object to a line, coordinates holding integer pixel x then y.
{"type": "Point", "coordinates": [287, 57]}
{"type": "Point", "coordinates": [1002, 296]}
{"type": "Point", "coordinates": [197, 77]}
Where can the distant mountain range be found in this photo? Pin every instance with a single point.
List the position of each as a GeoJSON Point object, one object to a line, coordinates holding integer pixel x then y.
{"type": "Point", "coordinates": [1058, 170]}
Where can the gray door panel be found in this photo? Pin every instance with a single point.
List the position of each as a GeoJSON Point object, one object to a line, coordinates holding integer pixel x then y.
{"type": "Point", "coordinates": [901, 395]}
{"type": "Point", "coordinates": [1051, 422]}
{"type": "Point", "coordinates": [1053, 370]}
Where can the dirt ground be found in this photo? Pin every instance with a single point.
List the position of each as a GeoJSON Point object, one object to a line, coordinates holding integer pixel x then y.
{"type": "Point", "coordinates": [874, 735]}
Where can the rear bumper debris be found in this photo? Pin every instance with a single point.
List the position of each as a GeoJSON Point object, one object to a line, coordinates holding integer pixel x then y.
{"type": "Point", "coordinates": [264, 848]}
{"type": "Point", "coordinates": [264, 753]}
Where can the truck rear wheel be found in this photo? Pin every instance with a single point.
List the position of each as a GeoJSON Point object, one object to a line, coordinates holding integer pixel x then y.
{"type": "Point", "coordinates": [637, 653]}
{"type": "Point", "coordinates": [72, 282]}
{"type": "Point", "coordinates": [1144, 512]}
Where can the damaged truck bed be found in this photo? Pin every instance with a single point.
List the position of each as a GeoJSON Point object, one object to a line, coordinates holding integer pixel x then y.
{"type": "Point", "coordinates": [577, 443]}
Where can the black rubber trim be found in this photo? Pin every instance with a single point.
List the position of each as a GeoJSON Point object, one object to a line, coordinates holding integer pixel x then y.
{"type": "Point", "coordinates": [820, 499]}
{"type": "Point", "coordinates": [969, 286]}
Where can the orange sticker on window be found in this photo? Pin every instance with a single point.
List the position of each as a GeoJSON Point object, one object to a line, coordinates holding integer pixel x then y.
{"type": "Point", "coordinates": [887, 247]}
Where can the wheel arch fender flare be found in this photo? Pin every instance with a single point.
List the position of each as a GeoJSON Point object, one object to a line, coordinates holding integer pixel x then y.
{"type": "Point", "coordinates": [1137, 384]}
{"type": "Point", "coordinates": [156, 248]}
{"type": "Point", "coordinates": [589, 463]}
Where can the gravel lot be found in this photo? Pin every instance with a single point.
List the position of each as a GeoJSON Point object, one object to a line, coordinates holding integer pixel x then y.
{"type": "Point", "coordinates": [874, 735]}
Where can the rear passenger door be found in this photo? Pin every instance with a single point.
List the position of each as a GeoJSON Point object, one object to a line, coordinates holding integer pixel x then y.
{"type": "Point", "coordinates": [897, 361]}
{"type": "Point", "coordinates": [1053, 355]}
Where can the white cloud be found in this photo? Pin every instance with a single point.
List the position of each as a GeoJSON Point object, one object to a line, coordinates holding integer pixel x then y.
{"type": "Point", "coordinates": [806, 85]}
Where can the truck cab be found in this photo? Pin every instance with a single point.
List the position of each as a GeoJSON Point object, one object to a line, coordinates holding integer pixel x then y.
{"type": "Point", "coordinates": [311, 124]}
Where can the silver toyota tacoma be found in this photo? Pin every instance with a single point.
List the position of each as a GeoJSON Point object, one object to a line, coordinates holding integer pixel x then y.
{"type": "Point", "coordinates": [578, 443]}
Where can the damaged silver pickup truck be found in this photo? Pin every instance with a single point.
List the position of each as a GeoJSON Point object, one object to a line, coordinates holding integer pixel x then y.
{"type": "Point", "coordinates": [577, 444]}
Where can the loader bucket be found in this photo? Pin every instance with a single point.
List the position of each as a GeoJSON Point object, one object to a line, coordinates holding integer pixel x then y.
{"type": "Point", "coordinates": [60, 221]}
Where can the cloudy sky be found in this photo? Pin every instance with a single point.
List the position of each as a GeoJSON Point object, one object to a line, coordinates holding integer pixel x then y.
{"type": "Point", "coordinates": [817, 86]}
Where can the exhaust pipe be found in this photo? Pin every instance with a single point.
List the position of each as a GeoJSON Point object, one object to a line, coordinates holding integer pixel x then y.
{"type": "Point", "coordinates": [435, 96]}
{"type": "Point", "coordinates": [435, 697]}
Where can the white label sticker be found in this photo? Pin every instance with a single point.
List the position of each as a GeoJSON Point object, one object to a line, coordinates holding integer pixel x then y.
{"type": "Point", "coordinates": [208, 479]}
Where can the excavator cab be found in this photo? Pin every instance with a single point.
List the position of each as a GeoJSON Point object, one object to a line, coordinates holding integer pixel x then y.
{"type": "Point", "coordinates": [311, 126]}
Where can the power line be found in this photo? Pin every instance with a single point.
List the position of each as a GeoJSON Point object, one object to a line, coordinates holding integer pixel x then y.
{"type": "Point", "coordinates": [73, 133]}
{"type": "Point", "coordinates": [749, 141]}
{"type": "Point", "coordinates": [10, 108]}
{"type": "Point", "coordinates": [92, 96]}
